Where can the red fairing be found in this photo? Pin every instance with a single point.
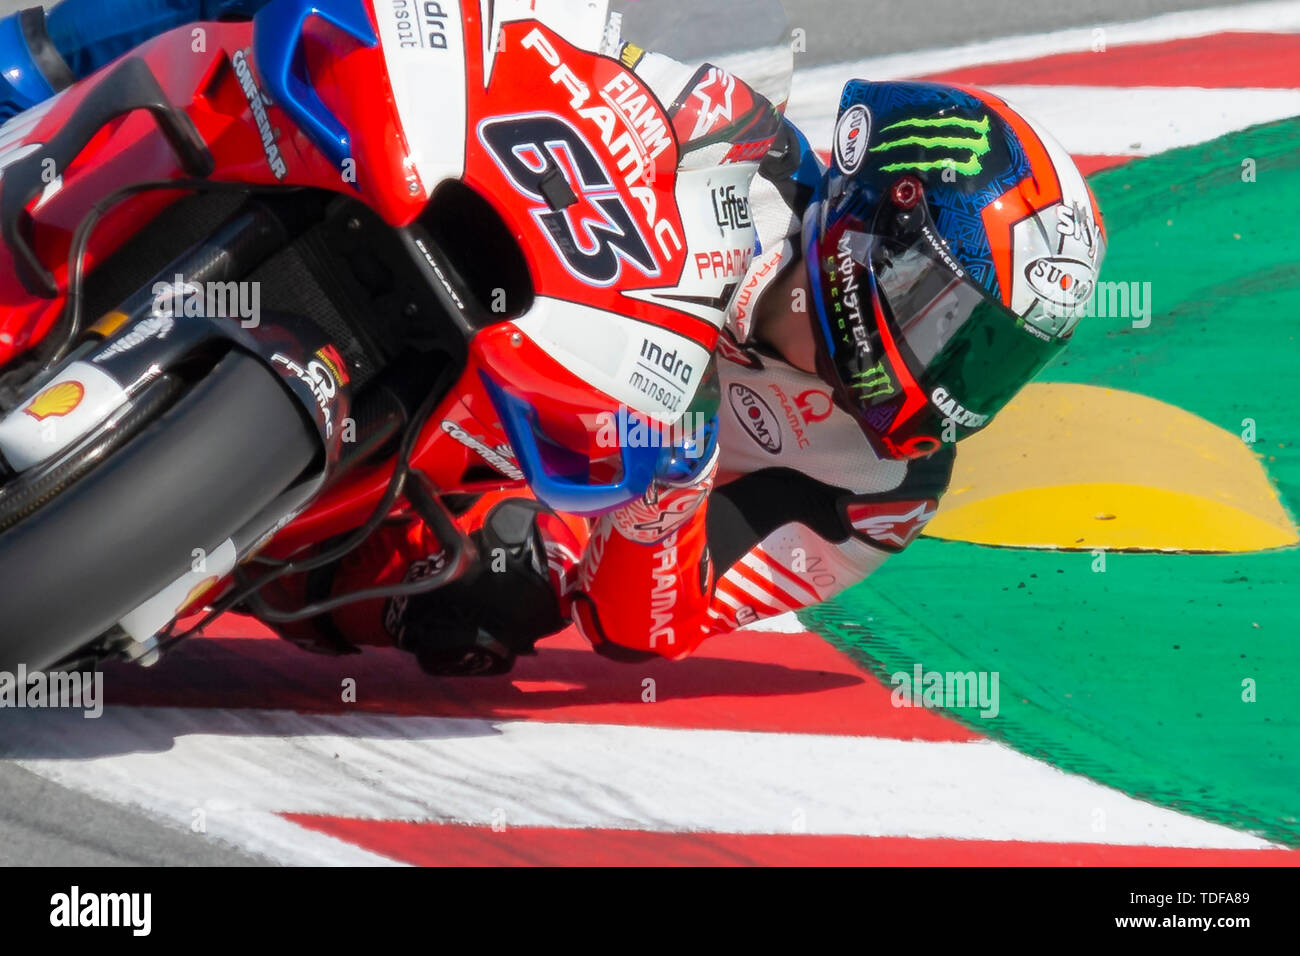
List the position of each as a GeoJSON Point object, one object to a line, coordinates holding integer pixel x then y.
{"type": "Point", "coordinates": [622, 231]}
{"type": "Point", "coordinates": [204, 80]}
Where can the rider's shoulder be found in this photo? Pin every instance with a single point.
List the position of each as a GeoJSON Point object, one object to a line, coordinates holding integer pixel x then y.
{"type": "Point", "coordinates": [718, 118]}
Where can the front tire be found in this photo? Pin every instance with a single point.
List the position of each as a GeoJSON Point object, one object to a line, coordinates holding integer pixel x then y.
{"type": "Point", "coordinates": [209, 465]}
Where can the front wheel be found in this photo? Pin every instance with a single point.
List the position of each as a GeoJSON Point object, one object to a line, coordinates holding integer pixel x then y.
{"type": "Point", "coordinates": [77, 562]}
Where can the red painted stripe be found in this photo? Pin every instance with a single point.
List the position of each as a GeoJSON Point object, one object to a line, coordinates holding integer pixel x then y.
{"type": "Point", "coordinates": [1224, 60]}
{"type": "Point", "coordinates": [1092, 164]}
{"type": "Point", "coordinates": [754, 681]}
{"type": "Point", "coordinates": [441, 844]}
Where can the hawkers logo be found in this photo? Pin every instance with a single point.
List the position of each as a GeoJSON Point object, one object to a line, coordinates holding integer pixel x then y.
{"type": "Point", "coordinates": [851, 135]}
{"type": "Point", "coordinates": [966, 139]}
{"type": "Point", "coordinates": [1062, 282]}
{"type": "Point", "coordinates": [258, 102]}
{"type": "Point", "coordinates": [756, 416]}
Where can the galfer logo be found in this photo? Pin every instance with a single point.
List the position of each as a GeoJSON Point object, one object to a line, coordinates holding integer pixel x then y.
{"type": "Point", "coordinates": [1060, 281]}
{"type": "Point", "coordinates": [756, 416]}
{"type": "Point", "coordinates": [851, 135]}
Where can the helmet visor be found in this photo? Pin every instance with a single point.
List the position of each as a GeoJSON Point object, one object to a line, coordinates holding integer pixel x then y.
{"type": "Point", "coordinates": [972, 354]}
{"type": "Point", "coordinates": [941, 349]}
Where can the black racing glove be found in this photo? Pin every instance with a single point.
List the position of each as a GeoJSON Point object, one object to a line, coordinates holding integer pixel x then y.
{"type": "Point", "coordinates": [479, 624]}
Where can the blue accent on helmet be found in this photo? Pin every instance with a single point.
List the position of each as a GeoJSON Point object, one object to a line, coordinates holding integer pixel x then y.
{"type": "Point", "coordinates": [569, 493]}
{"type": "Point", "coordinates": [957, 205]}
{"type": "Point", "coordinates": [811, 235]}
{"type": "Point", "coordinates": [277, 37]}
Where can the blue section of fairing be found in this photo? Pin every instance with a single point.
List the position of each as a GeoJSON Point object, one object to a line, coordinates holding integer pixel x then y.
{"type": "Point", "coordinates": [91, 33]}
{"type": "Point", "coordinates": [22, 84]}
{"type": "Point", "coordinates": [568, 493]}
{"type": "Point", "coordinates": [277, 39]}
{"type": "Point", "coordinates": [683, 464]}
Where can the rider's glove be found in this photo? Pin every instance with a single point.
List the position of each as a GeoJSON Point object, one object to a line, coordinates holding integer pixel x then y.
{"type": "Point", "coordinates": [479, 624]}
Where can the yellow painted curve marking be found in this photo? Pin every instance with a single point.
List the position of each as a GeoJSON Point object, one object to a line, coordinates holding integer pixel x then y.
{"type": "Point", "coordinates": [1076, 466]}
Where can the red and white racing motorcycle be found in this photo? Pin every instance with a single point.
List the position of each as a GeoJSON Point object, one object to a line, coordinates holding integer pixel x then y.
{"type": "Point", "coordinates": [353, 257]}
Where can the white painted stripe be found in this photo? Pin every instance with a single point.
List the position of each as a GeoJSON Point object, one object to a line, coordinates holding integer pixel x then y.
{"type": "Point", "coordinates": [1279, 17]}
{"type": "Point", "coordinates": [1098, 120]}
{"type": "Point", "coordinates": [787, 623]}
{"type": "Point", "coordinates": [242, 765]}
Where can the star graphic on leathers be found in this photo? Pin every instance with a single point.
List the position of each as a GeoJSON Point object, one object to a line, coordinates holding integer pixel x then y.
{"type": "Point", "coordinates": [887, 527]}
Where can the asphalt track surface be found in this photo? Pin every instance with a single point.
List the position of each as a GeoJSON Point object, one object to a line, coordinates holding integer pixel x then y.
{"type": "Point", "coordinates": [42, 823]}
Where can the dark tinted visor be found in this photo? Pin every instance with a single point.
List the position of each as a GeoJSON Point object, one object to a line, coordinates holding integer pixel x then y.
{"type": "Point", "coordinates": [966, 350]}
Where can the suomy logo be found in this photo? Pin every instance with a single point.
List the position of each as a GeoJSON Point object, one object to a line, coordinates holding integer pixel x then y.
{"type": "Point", "coordinates": [756, 416]}
{"type": "Point", "coordinates": [851, 135]}
{"type": "Point", "coordinates": [1062, 282]}
{"type": "Point", "coordinates": [938, 133]}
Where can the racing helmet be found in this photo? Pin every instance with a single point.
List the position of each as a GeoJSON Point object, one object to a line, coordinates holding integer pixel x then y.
{"type": "Point", "coordinates": [952, 248]}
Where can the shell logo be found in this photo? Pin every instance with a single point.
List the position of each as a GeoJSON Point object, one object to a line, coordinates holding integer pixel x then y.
{"type": "Point", "coordinates": [56, 401]}
{"type": "Point", "coordinates": [197, 592]}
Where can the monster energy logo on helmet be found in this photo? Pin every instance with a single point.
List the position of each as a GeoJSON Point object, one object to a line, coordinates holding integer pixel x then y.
{"type": "Point", "coordinates": [939, 133]}
{"type": "Point", "coordinates": [872, 383]}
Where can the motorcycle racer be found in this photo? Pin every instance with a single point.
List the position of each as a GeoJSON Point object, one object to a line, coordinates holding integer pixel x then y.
{"type": "Point", "coordinates": [945, 255]}
{"type": "Point", "coordinates": [897, 299]}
